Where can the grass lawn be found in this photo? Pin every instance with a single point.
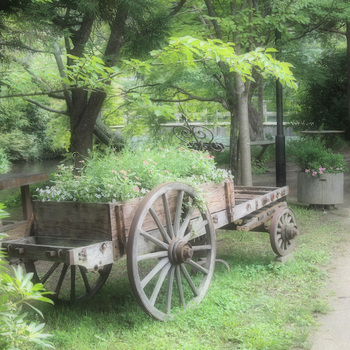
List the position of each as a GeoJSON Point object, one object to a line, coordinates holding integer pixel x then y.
{"type": "Point", "coordinates": [259, 304]}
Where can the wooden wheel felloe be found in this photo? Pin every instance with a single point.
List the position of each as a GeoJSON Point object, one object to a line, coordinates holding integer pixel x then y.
{"type": "Point", "coordinates": [171, 250]}
{"type": "Point", "coordinates": [283, 230]}
{"type": "Point", "coordinates": [68, 282]}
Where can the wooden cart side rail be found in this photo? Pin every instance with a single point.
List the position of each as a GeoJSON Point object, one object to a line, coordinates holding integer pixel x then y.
{"type": "Point", "coordinates": [247, 205]}
{"type": "Point", "coordinates": [90, 256]}
{"type": "Point", "coordinates": [260, 217]}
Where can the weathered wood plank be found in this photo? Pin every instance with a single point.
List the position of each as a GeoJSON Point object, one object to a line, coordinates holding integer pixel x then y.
{"type": "Point", "coordinates": [260, 217]}
{"type": "Point", "coordinates": [73, 220]}
{"type": "Point", "coordinates": [17, 180]}
{"type": "Point", "coordinates": [243, 209]}
{"type": "Point", "coordinates": [91, 256]}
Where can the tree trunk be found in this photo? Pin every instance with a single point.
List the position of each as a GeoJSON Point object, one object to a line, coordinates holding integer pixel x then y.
{"type": "Point", "coordinates": [255, 123]}
{"type": "Point", "coordinates": [85, 111]}
{"type": "Point", "coordinates": [234, 132]}
{"type": "Point", "coordinates": [106, 135]}
{"type": "Point", "coordinates": [244, 137]}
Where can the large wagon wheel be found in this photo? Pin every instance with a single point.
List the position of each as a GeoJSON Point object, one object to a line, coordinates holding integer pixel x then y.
{"type": "Point", "coordinates": [171, 250]}
{"type": "Point", "coordinates": [283, 230]}
{"type": "Point", "coordinates": [68, 282]}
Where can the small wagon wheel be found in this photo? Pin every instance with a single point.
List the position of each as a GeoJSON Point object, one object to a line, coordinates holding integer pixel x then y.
{"type": "Point", "coordinates": [283, 230]}
{"type": "Point", "coordinates": [68, 282]}
{"type": "Point", "coordinates": [170, 237]}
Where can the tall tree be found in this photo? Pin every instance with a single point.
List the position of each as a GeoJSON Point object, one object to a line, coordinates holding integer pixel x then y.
{"type": "Point", "coordinates": [246, 26]}
{"type": "Point", "coordinates": [87, 39]}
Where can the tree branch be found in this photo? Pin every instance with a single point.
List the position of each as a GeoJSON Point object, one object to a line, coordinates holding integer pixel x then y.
{"type": "Point", "coordinates": [177, 8]}
{"type": "Point", "coordinates": [45, 107]}
{"type": "Point", "coordinates": [212, 13]}
{"type": "Point", "coordinates": [196, 97]}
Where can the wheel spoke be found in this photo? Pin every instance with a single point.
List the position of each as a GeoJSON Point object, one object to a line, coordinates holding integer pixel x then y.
{"type": "Point", "coordinates": [185, 223]}
{"type": "Point", "coordinates": [198, 267]}
{"type": "Point", "coordinates": [159, 284]}
{"type": "Point", "coordinates": [72, 282]}
{"type": "Point", "coordinates": [170, 289]}
{"type": "Point", "coordinates": [64, 281]}
{"type": "Point", "coordinates": [189, 280]}
{"type": "Point", "coordinates": [198, 248]}
{"type": "Point", "coordinates": [197, 230]}
{"type": "Point", "coordinates": [85, 279]}
{"type": "Point", "coordinates": [161, 228]}
{"type": "Point", "coordinates": [168, 216]}
{"type": "Point", "coordinates": [155, 240]}
{"type": "Point", "coordinates": [155, 255]}
{"type": "Point", "coordinates": [154, 272]}
{"type": "Point", "coordinates": [178, 212]}
{"type": "Point", "coordinates": [49, 272]}
{"type": "Point", "coordinates": [179, 285]}
{"type": "Point", "coordinates": [60, 281]}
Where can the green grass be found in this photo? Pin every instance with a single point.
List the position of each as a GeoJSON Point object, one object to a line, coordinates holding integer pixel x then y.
{"type": "Point", "coordinates": [259, 304]}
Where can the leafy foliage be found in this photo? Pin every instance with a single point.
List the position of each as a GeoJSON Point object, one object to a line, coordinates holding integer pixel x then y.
{"type": "Point", "coordinates": [323, 101]}
{"type": "Point", "coordinates": [130, 174]}
{"type": "Point", "coordinates": [313, 157]}
{"type": "Point", "coordinates": [27, 131]}
{"type": "Point", "coordinates": [4, 162]}
{"type": "Point", "coordinates": [17, 292]}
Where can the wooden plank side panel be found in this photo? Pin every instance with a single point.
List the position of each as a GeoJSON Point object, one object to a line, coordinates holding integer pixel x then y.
{"type": "Point", "coordinates": [249, 206]}
{"type": "Point", "coordinates": [216, 195]}
{"type": "Point", "coordinates": [73, 220]}
{"type": "Point", "coordinates": [103, 221]}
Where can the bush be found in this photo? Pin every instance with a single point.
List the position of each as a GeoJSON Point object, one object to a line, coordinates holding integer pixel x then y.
{"type": "Point", "coordinates": [5, 165]}
{"type": "Point", "coordinates": [313, 157]}
{"type": "Point", "coordinates": [16, 332]}
{"type": "Point", "coordinates": [323, 103]}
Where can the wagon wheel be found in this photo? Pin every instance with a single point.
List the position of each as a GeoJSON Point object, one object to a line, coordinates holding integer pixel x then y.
{"type": "Point", "coordinates": [169, 240]}
{"type": "Point", "coordinates": [68, 282]}
{"type": "Point", "coordinates": [283, 230]}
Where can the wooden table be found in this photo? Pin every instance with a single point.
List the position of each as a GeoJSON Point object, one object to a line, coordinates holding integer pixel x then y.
{"type": "Point", "coordinates": [264, 145]}
{"type": "Point", "coordinates": [23, 181]}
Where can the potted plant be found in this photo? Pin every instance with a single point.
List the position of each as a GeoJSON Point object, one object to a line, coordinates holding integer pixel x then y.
{"type": "Point", "coordinates": [321, 179]}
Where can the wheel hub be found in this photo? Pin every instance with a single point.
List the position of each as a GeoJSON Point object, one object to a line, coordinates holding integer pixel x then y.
{"type": "Point", "coordinates": [289, 232]}
{"type": "Point", "coordinates": [180, 251]}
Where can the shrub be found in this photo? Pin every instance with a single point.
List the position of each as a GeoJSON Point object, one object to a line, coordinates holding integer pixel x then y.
{"type": "Point", "coordinates": [16, 332]}
{"type": "Point", "coordinates": [5, 165]}
{"type": "Point", "coordinates": [313, 157]}
{"type": "Point", "coordinates": [323, 102]}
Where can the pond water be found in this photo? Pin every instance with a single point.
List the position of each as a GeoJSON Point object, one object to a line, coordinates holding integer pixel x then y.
{"type": "Point", "coordinates": [12, 197]}
{"type": "Point", "coordinates": [46, 165]}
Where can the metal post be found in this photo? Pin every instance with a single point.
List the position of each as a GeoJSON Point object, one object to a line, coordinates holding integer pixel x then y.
{"type": "Point", "coordinates": [280, 138]}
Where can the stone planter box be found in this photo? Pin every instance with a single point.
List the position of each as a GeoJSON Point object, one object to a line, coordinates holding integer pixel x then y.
{"type": "Point", "coordinates": [325, 189]}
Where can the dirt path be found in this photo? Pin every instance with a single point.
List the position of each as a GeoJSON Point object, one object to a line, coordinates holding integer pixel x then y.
{"type": "Point", "coordinates": [334, 330]}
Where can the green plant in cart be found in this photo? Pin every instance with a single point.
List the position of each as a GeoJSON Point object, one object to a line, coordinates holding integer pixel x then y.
{"type": "Point", "coordinates": [130, 174]}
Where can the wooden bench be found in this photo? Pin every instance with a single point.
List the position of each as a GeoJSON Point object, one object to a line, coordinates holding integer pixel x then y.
{"type": "Point", "coordinates": [23, 181]}
{"type": "Point", "coordinates": [264, 145]}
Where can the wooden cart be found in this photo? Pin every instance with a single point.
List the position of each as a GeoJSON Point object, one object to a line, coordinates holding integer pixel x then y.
{"type": "Point", "coordinates": [168, 238]}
